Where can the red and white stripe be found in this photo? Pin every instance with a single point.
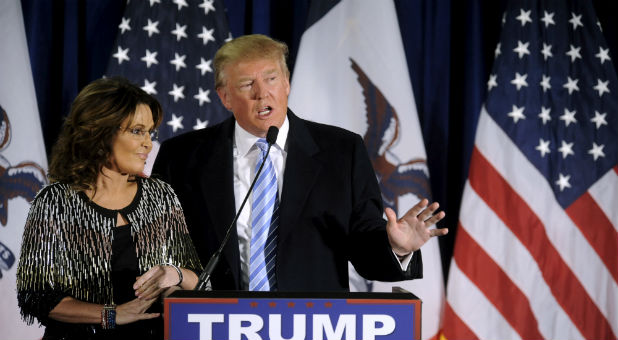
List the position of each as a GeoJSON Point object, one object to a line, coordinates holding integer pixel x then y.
{"type": "Point", "coordinates": [523, 267]}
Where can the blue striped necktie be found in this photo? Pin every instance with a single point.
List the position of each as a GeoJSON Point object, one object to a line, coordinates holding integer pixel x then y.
{"type": "Point", "coordinates": [264, 222]}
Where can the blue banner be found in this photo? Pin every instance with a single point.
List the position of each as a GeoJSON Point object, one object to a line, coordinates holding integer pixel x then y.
{"type": "Point", "coordinates": [285, 318]}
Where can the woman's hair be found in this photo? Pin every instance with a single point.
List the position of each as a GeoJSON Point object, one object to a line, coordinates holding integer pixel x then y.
{"type": "Point", "coordinates": [85, 142]}
{"type": "Point", "coordinates": [249, 48]}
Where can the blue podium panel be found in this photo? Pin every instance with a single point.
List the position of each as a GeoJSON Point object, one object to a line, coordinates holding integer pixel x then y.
{"type": "Point", "coordinates": [279, 316]}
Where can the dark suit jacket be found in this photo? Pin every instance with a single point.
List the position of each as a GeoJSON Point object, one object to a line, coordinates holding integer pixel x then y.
{"type": "Point", "coordinates": [330, 210]}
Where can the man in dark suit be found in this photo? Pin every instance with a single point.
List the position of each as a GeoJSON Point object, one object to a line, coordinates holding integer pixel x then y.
{"type": "Point", "coordinates": [326, 206]}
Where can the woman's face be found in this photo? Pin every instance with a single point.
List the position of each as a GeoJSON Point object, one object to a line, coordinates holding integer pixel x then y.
{"type": "Point", "coordinates": [132, 144]}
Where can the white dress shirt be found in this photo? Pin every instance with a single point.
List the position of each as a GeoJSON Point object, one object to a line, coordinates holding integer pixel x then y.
{"type": "Point", "coordinates": [245, 157]}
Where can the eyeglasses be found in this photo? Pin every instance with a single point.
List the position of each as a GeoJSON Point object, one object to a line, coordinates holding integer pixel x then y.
{"type": "Point", "coordinates": [139, 133]}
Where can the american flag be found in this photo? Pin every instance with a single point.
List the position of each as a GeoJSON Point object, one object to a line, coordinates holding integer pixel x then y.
{"type": "Point", "coordinates": [167, 47]}
{"type": "Point", "coordinates": [536, 254]}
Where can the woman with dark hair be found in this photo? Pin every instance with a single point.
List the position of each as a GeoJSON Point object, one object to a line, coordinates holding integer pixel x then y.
{"type": "Point", "coordinates": [102, 242]}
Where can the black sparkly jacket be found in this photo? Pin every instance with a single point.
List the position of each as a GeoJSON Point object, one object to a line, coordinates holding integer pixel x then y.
{"type": "Point", "coordinates": [67, 245]}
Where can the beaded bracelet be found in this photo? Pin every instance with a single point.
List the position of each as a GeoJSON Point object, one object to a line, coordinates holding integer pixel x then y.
{"type": "Point", "coordinates": [177, 271]}
{"type": "Point", "coordinates": [108, 317]}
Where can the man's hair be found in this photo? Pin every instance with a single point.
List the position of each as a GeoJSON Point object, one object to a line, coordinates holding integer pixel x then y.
{"type": "Point", "coordinates": [85, 142]}
{"type": "Point", "coordinates": [249, 48]}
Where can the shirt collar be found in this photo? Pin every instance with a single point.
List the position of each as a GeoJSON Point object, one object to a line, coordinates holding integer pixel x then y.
{"type": "Point", "coordinates": [245, 140]}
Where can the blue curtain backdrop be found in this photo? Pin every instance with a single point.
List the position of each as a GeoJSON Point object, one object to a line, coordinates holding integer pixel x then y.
{"type": "Point", "coordinates": [449, 47]}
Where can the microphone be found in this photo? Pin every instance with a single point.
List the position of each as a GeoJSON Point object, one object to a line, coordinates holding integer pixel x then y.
{"type": "Point", "coordinates": [271, 136]}
{"type": "Point", "coordinates": [204, 278]}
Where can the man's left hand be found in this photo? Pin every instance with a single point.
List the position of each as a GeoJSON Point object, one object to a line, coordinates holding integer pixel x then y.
{"type": "Point", "coordinates": [411, 231]}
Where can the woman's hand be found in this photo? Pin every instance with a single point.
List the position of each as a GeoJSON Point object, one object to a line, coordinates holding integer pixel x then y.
{"type": "Point", "coordinates": [134, 310]}
{"type": "Point", "coordinates": [71, 310]}
{"type": "Point", "coordinates": [155, 280]}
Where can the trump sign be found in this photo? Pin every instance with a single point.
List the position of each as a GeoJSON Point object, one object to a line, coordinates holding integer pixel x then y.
{"type": "Point", "coordinates": [291, 316]}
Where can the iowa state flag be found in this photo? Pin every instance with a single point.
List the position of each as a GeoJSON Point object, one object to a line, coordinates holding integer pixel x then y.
{"type": "Point", "coordinates": [351, 72]}
{"type": "Point", "coordinates": [22, 161]}
{"type": "Point", "coordinates": [536, 254]}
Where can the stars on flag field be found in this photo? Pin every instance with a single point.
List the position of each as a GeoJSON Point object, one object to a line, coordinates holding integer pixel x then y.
{"type": "Point", "coordinates": [202, 96]}
{"type": "Point", "coordinates": [563, 181]}
{"type": "Point", "coordinates": [596, 151]}
{"type": "Point", "coordinates": [522, 81]}
{"type": "Point", "coordinates": [524, 17]}
{"type": "Point", "coordinates": [543, 147]}
{"type": "Point", "coordinates": [208, 6]}
{"type": "Point", "coordinates": [545, 83]}
{"type": "Point", "coordinates": [601, 86]}
{"type": "Point", "coordinates": [204, 66]}
{"type": "Point", "coordinates": [181, 3]}
{"type": "Point", "coordinates": [150, 58]}
{"type": "Point", "coordinates": [548, 19]}
{"type": "Point", "coordinates": [546, 51]}
{"type": "Point", "coordinates": [599, 119]}
{"type": "Point", "coordinates": [167, 47]}
{"type": "Point", "coordinates": [149, 87]}
{"type": "Point", "coordinates": [199, 124]}
{"type": "Point", "coordinates": [574, 53]}
{"type": "Point", "coordinates": [180, 32]}
{"type": "Point", "coordinates": [491, 83]}
{"type": "Point", "coordinates": [576, 21]}
{"type": "Point", "coordinates": [522, 49]}
{"type": "Point", "coordinates": [568, 117]}
{"type": "Point", "coordinates": [545, 114]}
{"type": "Point", "coordinates": [151, 28]}
{"type": "Point", "coordinates": [176, 122]}
{"type": "Point", "coordinates": [121, 54]}
{"type": "Point", "coordinates": [603, 54]}
{"type": "Point", "coordinates": [517, 113]}
{"type": "Point", "coordinates": [177, 92]}
{"type": "Point", "coordinates": [124, 25]}
{"type": "Point", "coordinates": [571, 85]}
{"type": "Point", "coordinates": [206, 35]}
{"type": "Point", "coordinates": [178, 61]}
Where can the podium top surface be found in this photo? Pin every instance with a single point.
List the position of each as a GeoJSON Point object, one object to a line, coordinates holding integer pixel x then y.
{"type": "Point", "coordinates": [293, 295]}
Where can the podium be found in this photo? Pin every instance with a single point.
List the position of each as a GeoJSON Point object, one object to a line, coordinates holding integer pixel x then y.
{"type": "Point", "coordinates": [242, 315]}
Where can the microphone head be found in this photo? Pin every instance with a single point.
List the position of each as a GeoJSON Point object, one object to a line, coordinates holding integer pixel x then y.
{"type": "Point", "coordinates": [271, 135]}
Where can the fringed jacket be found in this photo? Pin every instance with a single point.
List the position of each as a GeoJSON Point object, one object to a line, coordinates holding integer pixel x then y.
{"type": "Point", "coordinates": [67, 244]}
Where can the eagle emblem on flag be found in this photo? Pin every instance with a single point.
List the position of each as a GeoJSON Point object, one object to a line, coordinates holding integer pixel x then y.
{"type": "Point", "coordinates": [22, 180]}
{"type": "Point", "coordinates": [396, 178]}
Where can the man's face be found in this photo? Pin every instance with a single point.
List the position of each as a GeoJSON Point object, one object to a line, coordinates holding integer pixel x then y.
{"type": "Point", "coordinates": [257, 94]}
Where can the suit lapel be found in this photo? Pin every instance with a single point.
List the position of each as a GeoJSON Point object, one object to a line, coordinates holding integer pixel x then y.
{"type": "Point", "coordinates": [301, 170]}
{"type": "Point", "coordinates": [217, 181]}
